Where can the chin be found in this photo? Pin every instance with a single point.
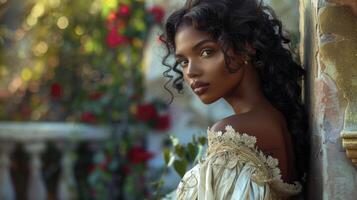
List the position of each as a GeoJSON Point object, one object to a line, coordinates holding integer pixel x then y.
{"type": "Point", "coordinates": [207, 100]}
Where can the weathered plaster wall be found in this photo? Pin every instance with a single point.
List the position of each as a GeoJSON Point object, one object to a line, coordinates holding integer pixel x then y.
{"type": "Point", "coordinates": [329, 53]}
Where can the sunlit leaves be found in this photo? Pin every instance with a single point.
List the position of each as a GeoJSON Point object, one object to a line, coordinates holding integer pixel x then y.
{"type": "Point", "coordinates": [180, 166]}
{"type": "Point", "coordinates": [192, 151]}
{"type": "Point", "coordinates": [108, 6]}
{"type": "Point", "coordinates": [180, 156]}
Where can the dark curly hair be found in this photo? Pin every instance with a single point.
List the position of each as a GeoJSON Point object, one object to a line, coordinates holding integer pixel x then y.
{"type": "Point", "coordinates": [233, 24]}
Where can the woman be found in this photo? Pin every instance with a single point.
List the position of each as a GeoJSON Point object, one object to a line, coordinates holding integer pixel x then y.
{"type": "Point", "coordinates": [234, 49]}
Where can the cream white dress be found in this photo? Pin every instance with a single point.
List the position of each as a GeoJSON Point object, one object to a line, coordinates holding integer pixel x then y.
{"type": "Point", "coordinates": [234, 169]}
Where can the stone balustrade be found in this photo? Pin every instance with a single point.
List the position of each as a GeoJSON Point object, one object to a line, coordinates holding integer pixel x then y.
{"type": "Point", "coordinates": [34, 137]}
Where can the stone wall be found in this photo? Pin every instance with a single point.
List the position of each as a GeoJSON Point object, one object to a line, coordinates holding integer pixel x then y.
{"type": "Point", "coordinates": [329, 53]}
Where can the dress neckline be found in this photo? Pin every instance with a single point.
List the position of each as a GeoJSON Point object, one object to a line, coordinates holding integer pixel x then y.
{"type": "Point", "coordinates": [244, 142]}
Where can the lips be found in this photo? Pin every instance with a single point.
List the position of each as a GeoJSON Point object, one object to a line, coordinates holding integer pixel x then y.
{"type": "Point", "coordinates": [199, 87]}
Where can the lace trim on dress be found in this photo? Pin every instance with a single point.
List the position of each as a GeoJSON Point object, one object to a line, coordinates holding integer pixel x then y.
{"type": "Point", "coordinates": [241, 148]}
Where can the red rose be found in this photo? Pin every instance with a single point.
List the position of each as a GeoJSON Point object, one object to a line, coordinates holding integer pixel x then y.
{"type": "Point", "coordinates": [88, 118]}
{"type": "Point", "coordinates": [138, 155]}
{"type": "Point", "coordinates": [124, 10]}
{"type": "Point", "coordinates": [162, 123]}
{"type": "Point", "coordinates": [146, 112]}
{"type": "Point", "coordinates": [104, 164]}
{"type": "Point", "coordinates": [91, 168]}
{"type": "Point", "coordinates": [114, 38]}
{"type": "Point", "coordinates": [56, 90]}
{"type": "Point", "coordinates": [136, 97]}
{"type": "Point", "coordinates": [158, 13]}
{"type": "Point", "coordinates": [95, 96]}
{"type": "Point", "coordinates": [126, 169]}
{"type": "Point", "coordinates": [111, 17]}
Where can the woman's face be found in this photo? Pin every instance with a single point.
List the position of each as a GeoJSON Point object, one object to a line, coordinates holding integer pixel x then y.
{"type": "Point", "coordinates": [202, 62]}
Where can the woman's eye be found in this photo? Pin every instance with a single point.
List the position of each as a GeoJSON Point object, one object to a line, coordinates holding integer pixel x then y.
{"type": "Point", "coordinates": [206, 52]}
{"type": "Point", "coordinates": [182, 63]}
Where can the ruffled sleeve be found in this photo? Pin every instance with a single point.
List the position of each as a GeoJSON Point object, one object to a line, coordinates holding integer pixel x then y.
{"type": "Point", "coordinates": [235, 169]}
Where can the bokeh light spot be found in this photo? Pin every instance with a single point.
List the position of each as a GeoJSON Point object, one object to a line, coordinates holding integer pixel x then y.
{"type": "Point", "coordinates": [41, 48]}
{"type": "Point", "coordinates": [39, 67]}
{"type": "Point", "coordinates": [123, 58]}
{"type": "Point", "coordinates": [38, 10]}
{"type": "Point", "coordinates": [3, 70]}
{"type": "Point", "coordinates": [15, 84]}
{"type": "Point", "coordinates": [26, 74]}
{"type": "Point", "coordinates": [62, 22]}
{"type": "Point", "coordinates": [54, 3]}
{"type": "Point", "coordinates": [38, 70]}
{"type": "Point", "coordinates": [31, 21]}
{"type": "Point", "coordinates": [79, 30]}
{"type": "Point", "coordinates": [138, 43]}
{"type": "Point", "coordinates": [139, 25]}
{"type": "Point", "coordinates": [95, 7]}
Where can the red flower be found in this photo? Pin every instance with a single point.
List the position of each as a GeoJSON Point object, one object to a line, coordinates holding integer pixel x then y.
{"type": "Point", "coordinates": [114, 38]}
{"type": "Point", "coordinates": [146, 112]}
{"type": "Point", "coordinates": [135, 97]}
{"type": "Point", "coordinates": [158, 13]}
{"type": "Point", "coordinates": [26, 111]}
{"type": "Point", "coordinates": [124, 10]}
{"type": "Point", "coordinates": [105, 163]}
{"type": "Point", "coordinates": [138, 155]}
{"type": "Point", "coordinates": [88, 118]}
{"type": "Point", "coordinates": [111, 17]}
{"type": "Point", "coordinates": [95, 96]}
{"type": "Point", "coordinates": [56, 90]}
{"type": "Point", "coordinates": [91, 168]}
{"type": "Point", "coordinates": [162, 123]}
{"type": "Point", "coordinates": [126, 170]}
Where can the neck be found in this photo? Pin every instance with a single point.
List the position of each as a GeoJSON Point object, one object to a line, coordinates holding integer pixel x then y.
{"type": "Point", "coordinates": [247, 96]}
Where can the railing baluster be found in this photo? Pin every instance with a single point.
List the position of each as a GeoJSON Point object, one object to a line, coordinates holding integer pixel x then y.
{"type": "Point", "coordinates": [6, 187]}
{"type": "Point", "coordinates": [34, 139]}
{"type": "Point", "coordinates": [36, 186]}
{"type": "Point", "coordinates": [66, 188]}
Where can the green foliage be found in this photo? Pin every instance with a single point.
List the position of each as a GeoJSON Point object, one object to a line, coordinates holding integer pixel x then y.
{"type": "Point", "coordinates": [77, 61]}
{"type": "Point", "coordinates": [181, 156]}
{"type": "Point", "coordinates": [81, 61]}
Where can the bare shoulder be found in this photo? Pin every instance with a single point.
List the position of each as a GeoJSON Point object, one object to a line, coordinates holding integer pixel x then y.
{"type": "Point", "coordinates": [268, 129]}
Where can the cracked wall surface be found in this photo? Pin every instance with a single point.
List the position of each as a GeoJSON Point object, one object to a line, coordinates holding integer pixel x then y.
{"type": "Point", "coordinates": [329, 53]}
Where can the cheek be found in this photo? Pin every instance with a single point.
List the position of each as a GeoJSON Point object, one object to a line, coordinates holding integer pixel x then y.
{"type": "Point", "coordinates": [226, 81]}
{"type": "Point", "coordinates": [218, 70]}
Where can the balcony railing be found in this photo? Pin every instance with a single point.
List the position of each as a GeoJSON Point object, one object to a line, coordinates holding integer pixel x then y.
{"type": "Point", "coordinates": [34, 138]}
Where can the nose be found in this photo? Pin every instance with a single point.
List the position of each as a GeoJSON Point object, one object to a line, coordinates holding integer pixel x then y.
{"type": "Point", "coordinates": [193, 70]}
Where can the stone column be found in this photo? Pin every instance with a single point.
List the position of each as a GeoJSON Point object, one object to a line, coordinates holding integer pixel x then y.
{"type": "Point", "coordinates": [329, 53]}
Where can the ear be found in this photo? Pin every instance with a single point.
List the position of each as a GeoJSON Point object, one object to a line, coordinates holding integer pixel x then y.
{"type": "Point", "coordinates": [239, 59]}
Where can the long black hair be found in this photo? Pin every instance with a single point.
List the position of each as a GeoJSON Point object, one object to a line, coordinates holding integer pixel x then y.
{"type": "Point", "coordinates": [233, 24]}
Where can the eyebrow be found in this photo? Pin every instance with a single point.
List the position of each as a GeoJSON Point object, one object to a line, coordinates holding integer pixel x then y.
{"type": "Point", "coordinates": [197, 45]}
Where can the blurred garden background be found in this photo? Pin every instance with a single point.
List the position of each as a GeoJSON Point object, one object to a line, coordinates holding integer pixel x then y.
{"type": "Point", "coordinates": [83, 110]}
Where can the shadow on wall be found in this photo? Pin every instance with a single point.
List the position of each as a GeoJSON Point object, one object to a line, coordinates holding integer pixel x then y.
{"type": "Point", "coordinates": [350, 3]}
